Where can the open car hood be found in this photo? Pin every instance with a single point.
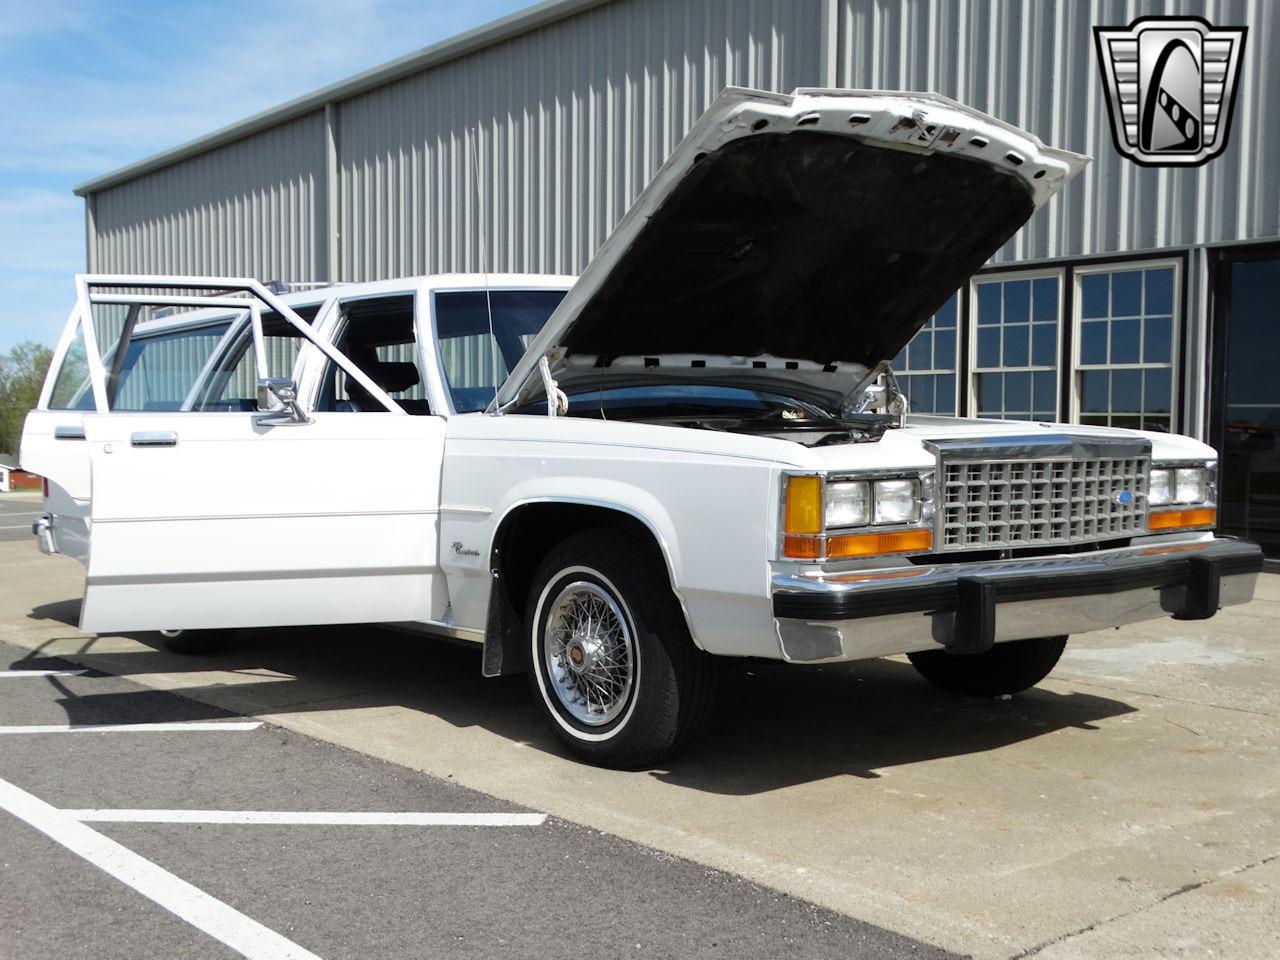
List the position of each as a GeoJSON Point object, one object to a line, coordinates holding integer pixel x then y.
{"type": "Point", "coordinates": [802, 238]}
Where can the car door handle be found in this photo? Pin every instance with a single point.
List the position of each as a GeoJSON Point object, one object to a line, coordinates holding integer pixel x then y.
{"type": "Point", "coordinates": [154, 438]}
{"type": "Point", "coordinates": [68, 433]}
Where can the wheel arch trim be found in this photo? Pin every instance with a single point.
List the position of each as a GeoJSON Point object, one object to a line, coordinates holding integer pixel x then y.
{"type": "Point", "coordinates": [498, 623]}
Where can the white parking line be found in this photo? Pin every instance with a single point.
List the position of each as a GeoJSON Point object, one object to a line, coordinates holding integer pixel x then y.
{"type": "Point", "coordinates": [312, 818]}
{"type": "Point", "coordinates": [10, 674]}
{"type": "Point", "coordinates": [135, 727]}
{"type": "Point", "coordinates": [242, 934]}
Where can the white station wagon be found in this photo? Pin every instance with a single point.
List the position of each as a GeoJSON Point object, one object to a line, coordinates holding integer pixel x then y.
{"type": "Point", "coordinates": [696, 450]}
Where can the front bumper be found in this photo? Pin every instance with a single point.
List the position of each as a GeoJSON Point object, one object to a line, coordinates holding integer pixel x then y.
{"type": "Point", "coordinates": [967, 607]}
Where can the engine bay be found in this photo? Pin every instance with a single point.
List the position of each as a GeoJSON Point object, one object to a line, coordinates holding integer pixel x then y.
{"type": "Point", "coordinates": [808, 431]}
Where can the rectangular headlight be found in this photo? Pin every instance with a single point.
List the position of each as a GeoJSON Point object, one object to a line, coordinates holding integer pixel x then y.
{"type": "Point", "coordinates": [848, 503]}
{"type": "Point", "coordinates": [897, 501]}
{"type": "Point", "coordinates": [1191, 485]}
{"type": "Point", "coordinates": [1160, 493]}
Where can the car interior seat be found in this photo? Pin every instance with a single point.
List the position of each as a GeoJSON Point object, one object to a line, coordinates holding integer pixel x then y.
{"type": "Point", "coordinates": [393, 376]}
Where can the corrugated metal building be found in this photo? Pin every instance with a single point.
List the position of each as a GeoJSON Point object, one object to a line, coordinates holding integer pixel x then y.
{"type": "Point", "coordinates": [1134, 298]}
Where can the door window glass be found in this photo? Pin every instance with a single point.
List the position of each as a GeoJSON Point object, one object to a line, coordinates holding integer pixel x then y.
{"type": "Point", "coordinates": [1017, 328]}
{"type": "Point", "coordinates": [1124, 370]}
{"type": "Point", "coordinates": [377, 336]}
{"type": "Point", "coordinates": [158, 372]}
{"type": "Point", "coordinates": [71, 390]}
{"type": "Point", "coordinates": [926, 367]}
{"type": "Point", "coordinates": [481, 337]}
{"type": "Point", "coordinates": [233, 385]}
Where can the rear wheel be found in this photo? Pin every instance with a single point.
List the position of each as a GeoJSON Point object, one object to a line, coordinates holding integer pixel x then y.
{"type": "Point", "coordinates": [611, 661]}
{"type": "Point", "coordinates": [1005, 668]}
{"type": "Point", "coordinates": [196, 642]}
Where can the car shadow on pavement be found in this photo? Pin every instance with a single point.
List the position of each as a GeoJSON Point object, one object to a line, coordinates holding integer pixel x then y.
{"type": "Point", "coordinates": [774, 724]}
{"type": "Point", "coordinates": [63, 611]}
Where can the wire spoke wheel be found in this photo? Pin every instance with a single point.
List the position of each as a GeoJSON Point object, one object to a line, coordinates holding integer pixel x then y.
{"type": "Point", "coordinates": [611, 662]}
{"type": "Point", "coordinates": [590, 653]}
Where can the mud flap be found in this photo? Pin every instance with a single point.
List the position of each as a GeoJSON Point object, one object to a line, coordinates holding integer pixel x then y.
{"type": "Point", "coordinates": [502, 654]}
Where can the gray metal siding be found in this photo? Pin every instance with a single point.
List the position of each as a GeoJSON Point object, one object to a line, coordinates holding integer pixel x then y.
{"type": "Point", "coordinates": [568, 123]}
{"type": "Point", "coordinates": [248, 208]}
{"type": "Point", "coordinates": [571, 119]}
{"type": "Point", "coordinates": [1034, 65]}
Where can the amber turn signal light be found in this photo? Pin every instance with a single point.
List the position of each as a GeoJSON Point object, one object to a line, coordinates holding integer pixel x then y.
{"type": "Point", "coordinates": [1180, 519]}
{"type": "Point", "coordinates": [804, 506]}
{"type": "Point", "coordinates": [872, 544]}
{"type": "Point", "coordinates": [802, 548]}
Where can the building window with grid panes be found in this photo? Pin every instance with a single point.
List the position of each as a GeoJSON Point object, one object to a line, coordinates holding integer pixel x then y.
{"type": "Point", "coordinates": [1015, 335]}
{"type": "Point", "coordinates": [926, 367]}
{"type": "Point", "coordinates": [1124, 346]}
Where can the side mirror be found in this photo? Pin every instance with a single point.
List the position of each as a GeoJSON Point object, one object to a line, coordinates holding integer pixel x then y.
{"type": "Point", "coordinates": [278, 396]}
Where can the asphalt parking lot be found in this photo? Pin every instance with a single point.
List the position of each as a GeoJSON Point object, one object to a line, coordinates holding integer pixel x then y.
{"type": "Point", "coordinates": [385, 862]}
{"type": "Point", "coordinates": [1128, 808]}
{"type": "Point", "coordinates": [16, 513]}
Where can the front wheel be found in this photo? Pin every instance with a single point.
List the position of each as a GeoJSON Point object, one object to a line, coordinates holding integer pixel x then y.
{"type": "Point", "coordinates": [1005, 668]}
{"type": "Point", "coordinates": [611, 661]}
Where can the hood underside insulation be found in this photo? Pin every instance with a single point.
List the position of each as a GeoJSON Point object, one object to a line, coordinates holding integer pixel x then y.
{"type": "Point", "coordinates": [803, 244]}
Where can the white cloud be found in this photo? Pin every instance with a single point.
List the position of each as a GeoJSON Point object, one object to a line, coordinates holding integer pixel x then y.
{"type": "Point", "coordinates": [40, 231]}
{"type": "Point", "coordinates": [22, 21]}
{"type": "Point", "coordinates": [87, 86]}
{"type": "Point", "coordinates": [157, 100]}
{"type": "Point", "coordinates": [41, 247]}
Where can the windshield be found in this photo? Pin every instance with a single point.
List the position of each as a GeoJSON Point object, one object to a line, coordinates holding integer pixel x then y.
{"type": "Point", "coordinates": [475, 361]}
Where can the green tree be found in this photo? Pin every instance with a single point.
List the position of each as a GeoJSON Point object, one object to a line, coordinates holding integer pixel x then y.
{"type": "Point", "coordinates": [22, 372]}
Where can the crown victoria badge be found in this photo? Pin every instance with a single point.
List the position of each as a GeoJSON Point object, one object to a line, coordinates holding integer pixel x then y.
{"type": "Point", "coordinates": [1171, 87]}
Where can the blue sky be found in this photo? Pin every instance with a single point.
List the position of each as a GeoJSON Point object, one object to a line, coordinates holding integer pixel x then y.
{"type": "Point", "coordinates": [90, 85]}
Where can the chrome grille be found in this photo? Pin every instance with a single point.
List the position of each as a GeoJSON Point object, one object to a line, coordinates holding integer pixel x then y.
{"type": "Point", "coordinates": [1016, 503]}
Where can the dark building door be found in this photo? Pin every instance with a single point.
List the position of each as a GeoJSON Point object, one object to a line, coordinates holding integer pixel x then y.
{"type": "Point", "coordinates": [1246, 394]}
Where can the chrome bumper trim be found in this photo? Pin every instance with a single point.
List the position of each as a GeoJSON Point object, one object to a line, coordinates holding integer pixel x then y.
{"type": "Point", "coordinates": [966, 607]}
{"type": "Point", "coordinates": [42, 530]}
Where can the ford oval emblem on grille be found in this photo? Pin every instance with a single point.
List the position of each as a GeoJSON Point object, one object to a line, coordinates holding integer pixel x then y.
{"type": "Point", "coordinates": [1125, 497]}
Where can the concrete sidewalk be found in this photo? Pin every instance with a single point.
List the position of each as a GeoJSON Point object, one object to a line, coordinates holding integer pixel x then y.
{"type": "Point", "coordinates": [1127, 808]}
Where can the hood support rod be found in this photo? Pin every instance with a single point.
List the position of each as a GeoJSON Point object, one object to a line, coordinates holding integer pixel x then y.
{"type": "Point", "coordinates": [860, 397]}
{"type": "Point", "coordinates": [557, 402]}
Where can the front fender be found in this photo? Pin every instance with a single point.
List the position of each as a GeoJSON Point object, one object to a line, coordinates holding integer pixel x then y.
{"type": "Point", "coordinates": [711, 512]}
{"type": "Point", "coordinates": [605, 494]}
{"type": "Point", "coordinates": [510, 566]}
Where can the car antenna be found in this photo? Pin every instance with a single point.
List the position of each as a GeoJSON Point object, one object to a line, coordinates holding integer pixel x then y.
{"type": "Point", "coordinates": [484, 259]}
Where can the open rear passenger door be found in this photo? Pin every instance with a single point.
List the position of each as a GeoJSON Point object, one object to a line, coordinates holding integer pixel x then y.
{"type": "Point", "coordinates": [107, 356]}
{"type": "Point", "coordinates": [254, 510]}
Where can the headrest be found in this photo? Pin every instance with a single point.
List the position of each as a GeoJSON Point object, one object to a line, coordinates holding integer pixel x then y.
{"type": "Point", "coordinates": [393, 376]}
